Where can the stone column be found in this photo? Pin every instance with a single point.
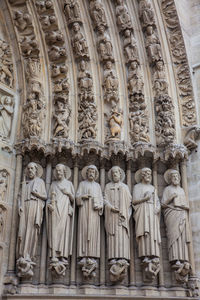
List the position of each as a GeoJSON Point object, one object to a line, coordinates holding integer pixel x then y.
{"type": "Point", "coordinates": [102, 251]}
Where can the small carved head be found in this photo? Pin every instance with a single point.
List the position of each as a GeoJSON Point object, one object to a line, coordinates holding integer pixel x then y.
{"type": "Point", "coordinates": [32, 170]}
{"type": "Point", "coordinates": [127, 32]}
{"type": "Point", "coordinates": [149, 29]}
{"type": "Point", "coordinates": [146, 175]}
{"type": "Point", "coordinates": [91, 173]}
{"type": "Point", "coordinates": [174, 177]}
{"type": "Point", "coordinates": [76, 27]}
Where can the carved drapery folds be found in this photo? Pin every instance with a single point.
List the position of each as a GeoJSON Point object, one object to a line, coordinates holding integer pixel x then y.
{"type": "Point", "coordinates": [87, 109]}
{"type": "Point", "coordinates": [179, 57]}
{"type": "Point", "coordinates": [164, 108]}
{"type": "Point", "coordinates": [138, 121]}
{"type": "Point", "coordinates": [6, 114]}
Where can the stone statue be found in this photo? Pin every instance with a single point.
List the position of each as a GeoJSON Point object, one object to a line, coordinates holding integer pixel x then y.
{"type": "Point", "coordinates": [60, 210]}
{"type": "Point", "coordinates": [191, 136]}
{"type": "Point", "coordinates": [90, 202]}
{"type": "Point", "coordinates": [115, 123]}
{"type": "Point", "coordinates": [62, 117]}
{"type": "Point", "coordinates": [130, 47]}
{"type": "Point", "coordinates": [160, 83]}
{"type": "Point", "coordinates": [6, 115]}
{"type": "Point", "coordinates": [72, 11]}
{"type": "Point", "coordinates": [79, 43]}
{"type": "Point", "coordinates": [146, 13]}
{"type": "Point", "coordinates": [135, 80]}
{"type": "Point", "coordinates": [23, 22]}
{"type": "Point", "coordinates": [110, 84]}
{"type": "Point", "coordinates": [175, 207]}
{"type": "Point", "coordinates": [147, 220]}
{"type": "Point", "coordinates": [98, 14]}
{"type": "Point", "coordinates": [117, 215]}
{"type": "Point", "coordinates": [6, 65]}
{"type": "Point", "coordinates": [31, 204]}
{"type": "Point", "coordinates": [123, 17]}
{"type": "Point", "coordinates": [85, 83]}
{"type": "Point", "coordinates": [153, 45]}
{"type": "Point", "coordinates": [104, 45]}
{"type": "Point", "coordinates": [3, 184]}
{"type": "Point", "coordinates": [87, 120]}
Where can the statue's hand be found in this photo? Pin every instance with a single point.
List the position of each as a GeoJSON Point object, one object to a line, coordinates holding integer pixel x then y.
{"type": "Point", "coordinates": [50, 207]}
{"type": "Point", "coordinates": [147, 196]}
{"type": "Point", "coordinates": [115, 210]}
{"type": "Point", "coordinates": [64, 191]}
{"type": "Point", "coordinates": [174, 195]}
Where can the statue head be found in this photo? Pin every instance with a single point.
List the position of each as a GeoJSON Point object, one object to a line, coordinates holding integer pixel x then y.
{"type": "Point", "coordinates": [159, 65]}
{"type": "Point", "coordinates": [76, 27]}
{"type": "Point", "coordinates": [146, 175]}
{"type": "Point", "coordinates": [90, 173]}
{"type": "Point", "coordinates": [116, 174]}
{"type": "Point", "coordinates": [32, 170]}
{"type": "Point", "coordinates": [172, 177]}
{"type": "Point", "coordinates": [61, 171]}
{"type": "Point", "coordinates": [149, 30]}
{"type": "Point", "coordinates": [127, 32]}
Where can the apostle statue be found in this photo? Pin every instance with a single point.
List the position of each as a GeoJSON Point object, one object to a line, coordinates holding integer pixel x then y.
{"type": "Point", "coordinates": [31, 204]}
{"type": "Point", "coordinates": [60, 212]}
{"type": "Point", "coordinates": [175, 207]}
{"type": "Point", "coordinates": [90, 202]}
{"type": "Point", "coordinates": [117, 215]}
{"type": "Point", "coordinates": [147, 208]}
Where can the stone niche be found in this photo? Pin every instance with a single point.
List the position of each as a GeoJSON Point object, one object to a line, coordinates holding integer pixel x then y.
{"type": "Point", "coordinates": [97, 122]}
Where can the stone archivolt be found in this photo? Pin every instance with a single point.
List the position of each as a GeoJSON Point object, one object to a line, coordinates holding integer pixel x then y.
{"type": "Point", "coordinates": [71, 209]}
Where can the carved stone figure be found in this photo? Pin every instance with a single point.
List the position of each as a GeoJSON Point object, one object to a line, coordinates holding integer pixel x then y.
{"type": "Point", "coordinates": [90, 202]}
{"type": "Point", "coordinates": [31, 204]}
{"type": "Point", "coordinates": [123, 17]}
{"type": "Point", "coordinates": [165, 125]}
{"type": "Point", "coordinates": [60, 219]}
{"type": "Point", "coordinates": [191, 137]}
{"type": "Point", "coordinates": [23, 22]}
{"type": "Point", "coordinates": [117, 215]}
{"type": "Point", "coordinates": [57, 53]}
{"type": "Point", "coordinates": [87, 120]}
{"type": "Point", "coordinates": [6, 114]}
{"type": "Point", "coordinates": [88, 266]}
{"type": "Point", "coordinates": [79, 43]}
{"type": "Point", "coordinates": [146, 13]}
{"type": "Point", "coordinates": [72, 11]}
{"type": "Point", "coordinates": [85, 83]}
{"type": "Point", "coordinates": [175, 207]}
{"type": "Point", "coordinates": [62, 118]}
{"type": "Point", "coordinates": [153, 45]}
{"type": "Point", "coordinates": [105, 46]}
{"type": "Point", "coordinates": [6, 65]}
{"type": "Point", "coordinates": [54, 37]}
{"type": "Point", "coordinates": [160, 83]}
{"type": "Point", "coordinates": [115, 123]}
{"type": "Point", "coordinates": [44, 5]}
{"type": "Point", "coordinates": [130, 47]}
{"type": "Point", "coordinates": [146, 214]}
{"type": "Point", "coordinates": [139, 127]}
{"type": "Point", "coordinates": [3, 184]}
{"type": "Point", "coordinates": [29, 46]}
{"type": "Point", "coordinates": [98, 14]}
{"type": "Point", "coordinates": [47, 21]}
{"type": "Point", "coordinates": [110, 84]}
{"type": "Point", "coordinates": [151, 267]}
{"type": "Point", "coordinates": [33, 111]}
{"type": "Point", "coordinates": [135, 80]}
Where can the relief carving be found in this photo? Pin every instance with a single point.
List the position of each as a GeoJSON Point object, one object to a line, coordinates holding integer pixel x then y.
{"type": "Point", "coordinates": [23, 22]}
{"type": "Point", "coordinates": [115, 122]}
{"type": "Point", "coordinates": [110, 84]}
{"type": "Point", "coordinates": [153, 44]}
{"type": "Point", "coordinates": [85, 83]}
{"type": "Point", "coordinates": [191, 137]}
{"type": "Point", "coordinates": [105, 47]}
{"type": "Point", "coordinates": [160, 83]}
{"type": "Point", "coordinates": [60, 211]}
{"type": "Point", "coordinates": [146, 13]}
{"type": "Point", "coordinates": [72, 11]}
{"type": "Point", "coordinates": [79, 43]}
{"type": "Point", "coordinates": [6, 114]}
{"type": "Point", "coordinates": [117, 215]}
{"type": "Point", "coordinates": [87, 120]}
{"type": "Point", "coordinates": [57, 53]}
{"type": "Point", "coordinates": [135, 80]}
{"type": "Point", "coordinates": [130, 47]}
{"type": "Point", "coordinates": [146, 203]}
{"type": "Point", "coordinates": [90, 202]}
{"type": "Point", "coordinates": [29, 46]}
{"type": "Point", "coordinates": [175, 207]}
{"type": "Point", "coordinates": [44, 5]}
{"type": "Point", "coordinates": [6, 65]}
{"type": "Point", "coordinates": [123, 17]}
{"type": "Point", "coordinates": [98, 14]}
{"type": "Point", "coordinates": [3, 185]}
{"type": "Point", "coordinates": [31, 204]}
{"type": "Point", "coordinates": [62, 117]}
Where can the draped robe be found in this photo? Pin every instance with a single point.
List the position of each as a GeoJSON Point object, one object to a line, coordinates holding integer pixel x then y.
{"type": "Point", "coordinates": [117, 195]}
{"type": "Point", "coordinates": [147, 221]}
{"type": "Point", "coordinates": [177, 224]}
{"type": "Point", "coordinates": [31, 218]}
{"type": "Point", "coordinates": [63, 216]}
{"type": "Point", "coordinates": [89, 219]}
